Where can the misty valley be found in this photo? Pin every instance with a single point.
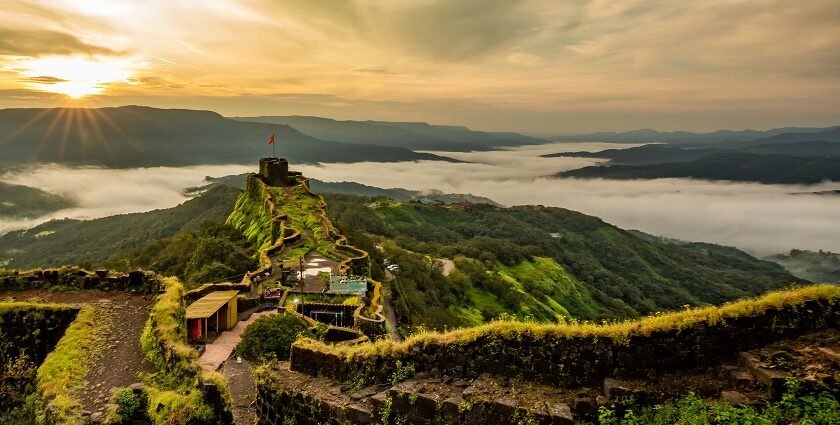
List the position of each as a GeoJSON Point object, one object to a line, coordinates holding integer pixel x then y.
{"type": "Point", "coordinates": [419, 212]}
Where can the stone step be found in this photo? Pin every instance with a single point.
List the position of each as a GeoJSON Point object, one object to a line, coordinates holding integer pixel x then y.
{"type": "Point", "coordinates": [487, 399]}
{"type": "Point", "coordinates": [287, 395]}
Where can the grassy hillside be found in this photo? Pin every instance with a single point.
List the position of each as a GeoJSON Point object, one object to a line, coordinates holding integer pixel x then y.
{"type": "Point", "coordinates": [561, 259]}
{"type": "Point", "coordinates": [133, 136]}
{"type": "Point", "coordinates": [86, 242]}
{"type": "Point", "coordinates": [27, 202]}
{"type": "Point", "coordinates": [781, 169]}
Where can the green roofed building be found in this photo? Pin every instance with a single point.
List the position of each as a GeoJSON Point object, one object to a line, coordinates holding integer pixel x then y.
{"type": "Point", "coordinates": [351, 285]}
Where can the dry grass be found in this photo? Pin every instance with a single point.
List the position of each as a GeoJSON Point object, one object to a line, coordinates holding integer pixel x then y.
{"type": "Point", "coordinates": [618, 331]}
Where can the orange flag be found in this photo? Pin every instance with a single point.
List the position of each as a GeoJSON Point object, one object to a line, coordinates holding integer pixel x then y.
{"type": "Point", "coordinates": [271, 139]}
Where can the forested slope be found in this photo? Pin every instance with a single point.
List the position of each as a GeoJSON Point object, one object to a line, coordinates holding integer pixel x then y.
{"type": "Point", "coordinates": [538, 261]}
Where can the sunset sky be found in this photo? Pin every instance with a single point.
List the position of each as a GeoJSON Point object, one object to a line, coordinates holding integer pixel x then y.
{"type": "Point", "coordinates": [538, 66]}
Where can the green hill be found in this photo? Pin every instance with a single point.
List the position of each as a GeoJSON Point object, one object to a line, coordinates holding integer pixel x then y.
{"type": "Point", "coordinates": [538, 261]}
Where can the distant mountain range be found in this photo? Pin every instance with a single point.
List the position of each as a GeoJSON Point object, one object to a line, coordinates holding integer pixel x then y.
{"type": "Point", "coordinates": [725, 137]}
{"type": "Point", "coordinates": [780, 169]}
{"type": "Point", "coordinates": [409, 135]}
{"type": "Point", "coordinates": [134, 136]}
{"type": "Point", "coordinates": [660, 153]}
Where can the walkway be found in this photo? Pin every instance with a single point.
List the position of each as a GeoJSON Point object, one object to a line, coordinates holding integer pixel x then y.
{"type": "Point", "coordinates": [221, 348]}
{"type": "Point", "coordinates": [388, 303]}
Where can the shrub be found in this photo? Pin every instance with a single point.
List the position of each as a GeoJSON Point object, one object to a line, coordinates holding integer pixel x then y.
{"type": "Point", "coordinates": [270, 337]}
{"type": "Point", "coordinates": [128, 404]}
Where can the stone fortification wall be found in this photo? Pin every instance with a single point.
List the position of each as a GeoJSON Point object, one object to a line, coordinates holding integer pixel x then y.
{"type": "Point", "coordinates": [562, 356]}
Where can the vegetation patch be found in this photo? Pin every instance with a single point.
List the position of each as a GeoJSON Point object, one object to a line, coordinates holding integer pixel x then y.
{"type": "Point", "coordinates": [215, 253]}
{"type": "Point", "coordinates": [61, 377]}
{"type": "Point", "coordinates": [270, 337]}
{"type": "Point", "coordinates": [28, 332]}
{"type": "Point", "coordinates": [173, 392]}
{"type": "Point", "coordinates": [796, 407]}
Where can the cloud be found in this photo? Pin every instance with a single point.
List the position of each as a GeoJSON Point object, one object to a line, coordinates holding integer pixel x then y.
{"type": "Point", "coordinates": [762, 219]}
{"type": "Point", "coordinates": [37, 43]}
{"type": "Point", "coordinates": [43, 79]}
{"type": "Point", "coordinates": [101, 192]}
{"type": "Point", "coordinates": [527, 65]}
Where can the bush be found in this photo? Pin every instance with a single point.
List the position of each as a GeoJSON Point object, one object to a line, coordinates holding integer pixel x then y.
{"type": "Point", "coordinates": [797, 406]}
{"type": "Point", "coordinates": [270, 337]}
{"type": "Point", "coordinates": [128, 405]}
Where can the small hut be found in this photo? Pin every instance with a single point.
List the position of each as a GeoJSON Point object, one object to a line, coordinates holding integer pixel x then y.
{"type": "Point", "coordinates": [215, 311]}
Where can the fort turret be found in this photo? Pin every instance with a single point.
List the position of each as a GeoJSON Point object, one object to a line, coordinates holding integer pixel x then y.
{"type": "Point", "coordinates": [275, 172]}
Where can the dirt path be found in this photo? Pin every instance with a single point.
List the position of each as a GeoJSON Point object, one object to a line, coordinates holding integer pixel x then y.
{"type": "Point", "coordinates": [390, 316]}
{"type": "Point", "coordinates": [243, 390]}
{"type": "Point", "coordinates": [122, 359]}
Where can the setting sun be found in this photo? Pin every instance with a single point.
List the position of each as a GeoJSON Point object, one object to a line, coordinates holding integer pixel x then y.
{"type": "Point", "coordinates": [75, 77]}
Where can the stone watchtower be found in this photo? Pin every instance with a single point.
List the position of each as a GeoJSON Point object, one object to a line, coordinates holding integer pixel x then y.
{"type": "Point", "coordinates": [275, 172]}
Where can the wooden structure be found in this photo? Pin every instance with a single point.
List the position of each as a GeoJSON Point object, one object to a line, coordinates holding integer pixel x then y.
{"type": "Point", "coordinates": [216, 311]}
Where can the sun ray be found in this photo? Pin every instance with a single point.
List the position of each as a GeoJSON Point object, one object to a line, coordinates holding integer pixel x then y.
{"type": "Point", "coordinates": [99, 134]}
{"type": "Point", "coordinates": [29, 123]}
{"type": "Point", "coordinates": [68, 122]}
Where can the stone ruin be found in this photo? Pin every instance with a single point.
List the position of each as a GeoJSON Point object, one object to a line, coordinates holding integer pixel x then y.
{"type": "Point", "coordinates": [275, 172]}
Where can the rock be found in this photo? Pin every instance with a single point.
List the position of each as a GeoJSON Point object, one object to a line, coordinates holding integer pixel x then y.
{"type": "Point", "coordinates": [740, 379]}
{"type": "Point", "coordinates": [735, 398]}
{"type": "Point", "coordinates": [726, 371]}
{"type": "Point", "coordinates": [560, 414]}
{"type": "Point", "coordinates": [748, 361]}
{"type": "Point", "coordinates": [507, 406]}
{"type": "Point", "coordinates": [96, 416]}
{"type": "Point", "coordinates": [358, 414]}
{"type": "Point", "coordinates": [586, 406]}
{"type": "Point", "coordinates": [612, 389]}
{"type": "Point", "coordinates": [461, 383]}
{"type": "Point", "coordinates": [358, 395]}
{"type": "Point", "coordinates": [774, 380]}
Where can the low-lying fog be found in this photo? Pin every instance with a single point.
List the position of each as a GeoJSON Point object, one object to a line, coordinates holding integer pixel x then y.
{"type": "Point", "coordinates": [101, 192]}
{"type": "Point", "coordinates": [762, 219]}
